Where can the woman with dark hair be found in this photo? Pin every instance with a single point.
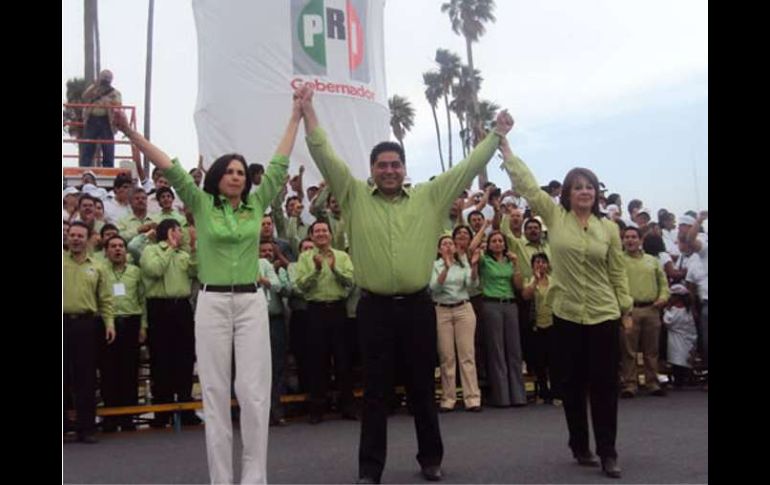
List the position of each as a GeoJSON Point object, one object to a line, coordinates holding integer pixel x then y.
{"type": "Point", "coordinates": [588, 296]}
{"type": "Point", "coordinates": [231, 313]}
{"type": "Point", "coordinates": [500, 274]}
{"type": "Point", "coordinates": [456, 323]}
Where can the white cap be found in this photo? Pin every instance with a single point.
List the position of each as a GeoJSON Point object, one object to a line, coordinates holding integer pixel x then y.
{"type": "Point", "coordinates": [509, 200]}
{"type": "Point", "coordinates": [679, 289]}
{"type": "Point", "coordinates": [685, 219]}
{"type": "Point", "coordinates": [69, 191]}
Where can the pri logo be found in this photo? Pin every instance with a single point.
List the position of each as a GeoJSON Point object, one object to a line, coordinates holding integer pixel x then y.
{"type": "Point", "coordinates": [329, 39]}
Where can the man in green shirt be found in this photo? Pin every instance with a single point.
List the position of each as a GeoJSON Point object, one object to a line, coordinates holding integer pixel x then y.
{"type": "Point", "coordinates": [325, 276]}
{"type": "Point", "coordinates": [167, 271]}
{"type": "Point", "coordinates": [648, 286]}
{"type": "Point", "coordinates": [392, 242]}
{"type": "Point", "coordinates": [120, 362]}
{"type": "Point", "coordinates": [139, 221]}
{"type": "Point", "coordinates": [86, 296]}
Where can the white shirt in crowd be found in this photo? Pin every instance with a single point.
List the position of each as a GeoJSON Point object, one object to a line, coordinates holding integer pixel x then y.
{"type": "Point", "coordinates": [697, 274]}
{"type": "Point", "coordinates": [669, 239]}
{"type": "Point", "coordinates": [488, 212]}
{"type": "Point", "coordinates": [113, 211]}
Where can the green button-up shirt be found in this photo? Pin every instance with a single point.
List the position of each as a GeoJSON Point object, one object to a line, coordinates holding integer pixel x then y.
{"type": "Point", "coordinates": [324, 285]}
{"type": "Point", "coordinates": [543, 313]}
{"type": "Point", "coordinates": [393, 240]}
{"type": "Point", "coordinates": [646, 280]}
{"type": "Point", "coordinates": [496, 277]}
{"type": "Point", "coordinates": [129, 282]}
{"type": "Point", "coordinates": [524, 250]}
{"type": "Point", "coordinates": [86, 289]}
{"type": "Point", "coordinates": [336, 223]}
{"type": "Point", "coordinates": [167, 272]}
{"type": "Point", "coordinates": [296, 296]}
{"type": "Point", "coordinates": [589, 277]}
{"type": "Point", "coordinates": [227, 238]}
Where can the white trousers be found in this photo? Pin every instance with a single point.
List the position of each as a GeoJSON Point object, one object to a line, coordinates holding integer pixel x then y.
{"type": "Point", "coordinates": [224, 321]}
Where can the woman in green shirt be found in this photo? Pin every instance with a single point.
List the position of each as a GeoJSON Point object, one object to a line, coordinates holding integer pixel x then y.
{"type": "Point", "coordinates": [589, 294]}
{"type": "Point", "coordinates": [499, 275]}
{"type": "Point", "coordinates": [231, 316]}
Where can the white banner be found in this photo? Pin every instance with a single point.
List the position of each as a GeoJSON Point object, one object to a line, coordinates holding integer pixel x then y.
{"type": "Point", "coordinates": [253, 53]}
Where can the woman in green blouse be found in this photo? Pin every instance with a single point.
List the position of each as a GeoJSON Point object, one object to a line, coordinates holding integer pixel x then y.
{"type": "Point", "coordinates": [499, 275]}
{"type": "Point", "coordinates": [588, 296]}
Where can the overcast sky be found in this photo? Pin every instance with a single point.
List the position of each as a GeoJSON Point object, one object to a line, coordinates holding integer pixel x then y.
{"type": "Point", "coordinates": [617, 86]}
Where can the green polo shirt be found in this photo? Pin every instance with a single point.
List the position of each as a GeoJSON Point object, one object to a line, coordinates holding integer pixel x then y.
{"type": "Point", "coordinates": [324, 285]}
{"type": "Point", "coordinates": [227, 238]}
{"type": "Point", "coordinates": [496, 277]}
{"type": "Point", "coordinates": [167, 272]}
{"type": "Point", "coordinates": [589, 277]}
{"type": "Point", "coordinates": [128, 282]}
{"type": "Point", "coordinates": [393, 240]}
{"type": "Point", "coordinates": [646, 280]}
{"type": "Point", "coordinates": [296, 296]}
{"type": "Point", "coordinates": [85, 289]}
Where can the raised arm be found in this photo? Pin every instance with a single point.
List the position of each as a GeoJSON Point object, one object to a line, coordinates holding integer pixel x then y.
{"type": "Point", "coordinates": [156, 156]}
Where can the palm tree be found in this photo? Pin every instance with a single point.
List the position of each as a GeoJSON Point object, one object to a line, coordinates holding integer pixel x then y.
{"type": "Point", "coordinates": [487, 114]}
{"type": "Point", "coordinates": [468, 18]}
{"type": "Point", "coordinates": [432, 80]}
{"type": "Point", "coordinates": [449, 70]}
{"type": "Point", "coordinates": [148, 78]}
{"type": "Point", "coordinates": [89, 38]}
{"type": "Point", "coordinates": [75, 88]}
{"type": "Point", "coordinates": [401, 117]}
{"type": "Point", "coordinates": [462, 103]}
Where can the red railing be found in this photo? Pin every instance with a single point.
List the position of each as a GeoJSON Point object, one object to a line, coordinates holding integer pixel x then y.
{"type": "Point", "coordinates": [76, 110]}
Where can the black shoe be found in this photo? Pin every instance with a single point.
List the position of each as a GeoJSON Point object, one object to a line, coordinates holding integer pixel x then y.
{"type": "Point", "coordinates": [366, 480]}
{"type": "Point", "coordinates": [128, 427]}
{"type": "Point", "coordinates": [350, 416]}
{"type": "Point", "coordinates": [109, 427]}
{"type": "Point", "coordinates": [88, 438]}
{"type": "Point", "coordinates": [442, 409]}
{"type": "Point", "coordinates": [277, 421]}
{"type": "Point", "coordinates": [660, 392]}
{"type": "Point", "coordinates": [627, 394]}
{"type": "Point", "coordinates": [586, 459]}
{"type": "Point", "coordinates": [432, 473]}
{"type": "Point", "coordinates": [190, 420]}
{"type": "Point", "coordinates": [316, 418]}
{"type": "Point", "coordinates": [474, 409]}
{"type": "Point", "coordinates": [158, 423]}
{"type": "Point", "coordinates": [610, 467]}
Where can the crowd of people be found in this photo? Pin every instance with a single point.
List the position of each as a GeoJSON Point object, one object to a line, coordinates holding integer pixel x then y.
{"type": "Point", "coordinates": [226, 267]}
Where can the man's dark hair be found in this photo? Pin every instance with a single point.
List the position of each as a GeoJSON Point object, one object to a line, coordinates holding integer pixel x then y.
{"type": "Point", "coordinates": [161, 232]}
{"type": "Point", "coordinates": [121, 180]}
{"type": "Point", "coordinates": [80, 224]}
{"type": "Point", "coordinates": [254, 168]}
{"type": "Point", "coordinates": [533, 221]}
{"type": "Point", "coordinates": [164, 190]}
{"type": "Point", "coordinates": [632, 228]}
{"type": "Point", "coordinates": [634, 204]}
{"type": "Point", "coordinates": [106, 243]}
{"type": "Point", "coordinates": [108, 227]}
{"type": "Point", "coordinates": [473, 213]}
{"type": "Point", "coordinates": [613, 199]}
{"type": "Point", "coordinates": [386, 146]}
{"type": "Point", "coordinates": [86, 197]}
{"type": "Point", "coordinates": [653, 245]}
{"type": "Point", "coordinates": [319, 221]}
{"type": "Point", "coordinates": [292, 197]}
{"type": "Point", "coordinates": [554, 184]}
{"type": "Point", "coordinates": [487, 184]}
{"type": "Point", "coordinates": [218, 170]}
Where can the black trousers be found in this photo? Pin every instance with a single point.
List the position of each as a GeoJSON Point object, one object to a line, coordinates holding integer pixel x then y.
{"type": "Point", "coordinates": [542, 346]}
{"type": "Point", "coordinates": [327, 331]}
{"type": "Point", "coordinates": [391, 330]}
{"type": "Point", "coordinates": [82, 335]}
{"type": "Point", "coordinates": [299, 346]}
{"type": "Point", "coordinates": [120, 366]}
{"type": "Point", "coordinates": [526, 333]}
{"type": "Point", "coordinates": [587, 368]}
{"type": "Point", "coordinates": [171, 337]}
{"type": "Point", "coordinates": [480, 350]}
